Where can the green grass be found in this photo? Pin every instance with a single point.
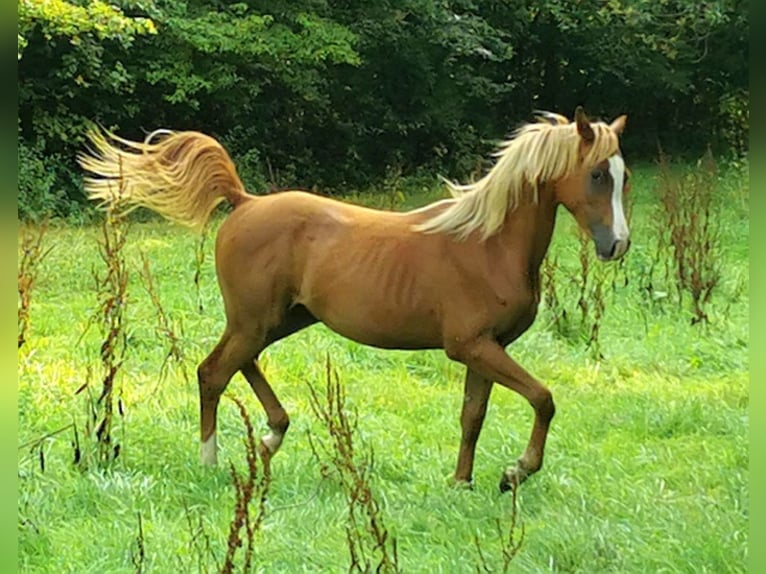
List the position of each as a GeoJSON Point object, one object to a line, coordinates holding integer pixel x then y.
{"type": "Point", "coordinates": [646, 467]}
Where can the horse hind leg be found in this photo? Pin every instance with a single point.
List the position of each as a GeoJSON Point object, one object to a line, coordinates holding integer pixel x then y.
{"type": "Point", "coordinates": [213, 375]}
{"type": "Point", "coordinates": [237, 351]}
{"type": "Point", "coordinates": [296, 318]}
{"type": "Point", "coordinates": [277, 418]}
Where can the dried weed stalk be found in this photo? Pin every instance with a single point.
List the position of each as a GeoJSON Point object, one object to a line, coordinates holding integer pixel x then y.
{"type": "Point", "coordinates": [200, 544]}
{"type": "Point", "coordinates": [550, 294]}
{"type": "Point", "coordinates": [112, 294]}
{"type": "Point", "coordinates": [592, 296]}
{"type": "Point", "coordinates": [510, 539]}
{"type": "Point", "coordinates": [694, 234]}
{"type": "Point", "coordinates": [371, 547]}
{"type": "Point", "coordinates": [138, 555]}
{"type": "Point", "coordinates": [246, 488]}
{"type": "Point", "coordinates": [31, 255]}
{"type": "Point", "coordinates": [164, 325]}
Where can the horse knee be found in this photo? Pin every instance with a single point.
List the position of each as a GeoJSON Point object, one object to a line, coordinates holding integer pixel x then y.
{"type": "Point", "coordinates": [544, 405]}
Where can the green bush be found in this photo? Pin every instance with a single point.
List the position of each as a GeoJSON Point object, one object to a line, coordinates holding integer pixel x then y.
{"type": "Point", "coordinates": [38, 196]}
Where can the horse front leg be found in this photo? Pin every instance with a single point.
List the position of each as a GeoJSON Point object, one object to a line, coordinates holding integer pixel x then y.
{"type": "Point", "coordinates": [487, 358]}
{"type": "Point", "coordinates": [475, 398]}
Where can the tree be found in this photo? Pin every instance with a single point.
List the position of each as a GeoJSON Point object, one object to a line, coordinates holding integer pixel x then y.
{"type": "Point", "coordinates": [69, 64]}
{"type": "Point", "coordinates": [338, 94]}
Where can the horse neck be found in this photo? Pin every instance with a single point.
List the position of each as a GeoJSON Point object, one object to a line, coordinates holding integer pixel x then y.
{"type": "Point", "coordinates": [528, 229]}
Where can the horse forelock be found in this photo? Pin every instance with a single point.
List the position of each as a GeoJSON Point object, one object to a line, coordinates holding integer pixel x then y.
{"type": "Point", "coordinates": [536, 153]}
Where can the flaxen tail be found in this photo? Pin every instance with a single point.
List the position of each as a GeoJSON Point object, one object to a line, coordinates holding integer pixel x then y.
{"type": "Point", "coordinates": [182, 176]}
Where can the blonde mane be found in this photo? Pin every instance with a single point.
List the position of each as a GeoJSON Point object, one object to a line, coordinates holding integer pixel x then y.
{"type": "Point", "coordinates": [535, 154]}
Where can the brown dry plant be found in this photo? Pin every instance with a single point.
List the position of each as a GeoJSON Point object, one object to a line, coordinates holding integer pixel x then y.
{"type": "Point", "coordinates": [371, 547]}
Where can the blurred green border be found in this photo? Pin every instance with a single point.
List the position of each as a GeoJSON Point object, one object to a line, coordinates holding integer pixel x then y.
{"type": "Point", "coordinates": [8, 225]}
{"type": "Point", "coordinates": [8, 381]}
{"type": "Point", "coordinates": [757, 310]}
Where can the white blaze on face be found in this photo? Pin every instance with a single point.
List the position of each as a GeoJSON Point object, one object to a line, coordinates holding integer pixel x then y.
{"type": "Point", "coordinates": [619, 225]}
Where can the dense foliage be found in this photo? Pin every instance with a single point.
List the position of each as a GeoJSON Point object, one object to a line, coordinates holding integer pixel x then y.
{"type": "Point", "coordinates": [339, 94]}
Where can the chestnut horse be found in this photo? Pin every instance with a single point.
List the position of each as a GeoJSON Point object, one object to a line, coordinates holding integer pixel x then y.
{"type": "Point", "coordinates": [461, 274]}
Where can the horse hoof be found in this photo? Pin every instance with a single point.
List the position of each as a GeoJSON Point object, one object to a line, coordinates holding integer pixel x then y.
{"type": "Point", "coordinates": [462, 484]}
{"type": "Point", "coordinates": [505, 484]}
{"type": "Point", "coordinates": [512, 478]}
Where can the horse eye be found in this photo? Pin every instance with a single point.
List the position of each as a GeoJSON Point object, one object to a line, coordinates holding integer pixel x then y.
{"type": "Point", "coordinates": [596, 175]}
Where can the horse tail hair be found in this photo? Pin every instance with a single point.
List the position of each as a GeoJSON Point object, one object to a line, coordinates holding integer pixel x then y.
{"type": "Point", "coordinates": [182, 176]}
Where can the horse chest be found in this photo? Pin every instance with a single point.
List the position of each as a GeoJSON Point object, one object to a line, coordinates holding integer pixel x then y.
{"type": "Point", "coordinates": [515, 315]}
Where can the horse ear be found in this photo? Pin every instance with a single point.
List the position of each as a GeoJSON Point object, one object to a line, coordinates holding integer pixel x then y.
{"type": "Point", "coordinates": [583, 125]}
{"type": "Point", "coordinates": [618, 125]}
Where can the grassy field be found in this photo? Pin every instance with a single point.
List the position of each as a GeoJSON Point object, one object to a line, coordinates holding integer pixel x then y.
{"type": "Point", "coordinates": [647, 459]}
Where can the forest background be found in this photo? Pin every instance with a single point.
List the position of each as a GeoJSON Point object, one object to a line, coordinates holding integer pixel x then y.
{"type": "Point", "coordinates": [343, 96]}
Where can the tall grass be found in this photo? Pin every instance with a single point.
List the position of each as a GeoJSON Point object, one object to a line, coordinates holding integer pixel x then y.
{"type": "Point", "coordinates": [647, 460]}
{"type": "Point", "coordinates": [370, 544]}
{"type": "Point", "coordinates": [166, 327]}
{"type": "Point", "coordinates": [111, 286]}
{"type": "Point", "coordinates": [32, 251]}
{"type": "Point", "coordinates": [253, 486]}
{"type": "Point", "coordinates": [690, 226]}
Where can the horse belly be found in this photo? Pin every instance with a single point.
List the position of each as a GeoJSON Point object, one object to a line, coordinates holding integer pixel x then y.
{"type": "Point", "coordinates": [367, 319]}
{"type": "Point", "coordinates": [378, 293]}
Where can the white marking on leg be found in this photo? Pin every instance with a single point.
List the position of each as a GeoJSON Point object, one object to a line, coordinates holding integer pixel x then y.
{"type": "Point", "coordinates": [209, 451]}
{"type": "Point", "coordinates": [619, 225]}
{"type": "Point", "coordinates": [273, 441]}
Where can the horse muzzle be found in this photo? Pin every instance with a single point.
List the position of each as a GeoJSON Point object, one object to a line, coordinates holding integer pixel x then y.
{"type": "Point", "coordinates": [614, 250]}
